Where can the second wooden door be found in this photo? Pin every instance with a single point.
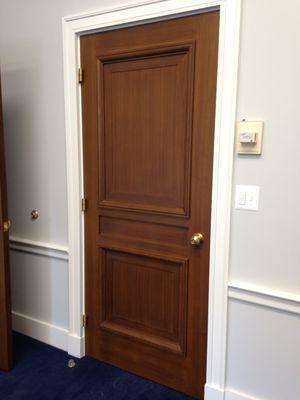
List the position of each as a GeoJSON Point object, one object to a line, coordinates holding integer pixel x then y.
{"type": "Point", "coordinates": [148, 100]}
{"type": "Point", "coordinates": [5, 308]}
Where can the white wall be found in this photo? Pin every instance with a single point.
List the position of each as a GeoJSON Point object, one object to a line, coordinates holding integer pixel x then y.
{"type": "Point", "coordinates": [263, 343]}
{"type": "Point", "coordinates": [263, 352]}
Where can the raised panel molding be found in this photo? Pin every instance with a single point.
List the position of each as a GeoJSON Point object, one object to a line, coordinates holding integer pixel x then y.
{"type": "Point", "coordinates": [266, 297]}
{"type": "Point", "coordinates": [38, 248]}
{"type": "Point", "coordinates": [159, 80]}
{"type": "Point", "coordinates": [162, 323]}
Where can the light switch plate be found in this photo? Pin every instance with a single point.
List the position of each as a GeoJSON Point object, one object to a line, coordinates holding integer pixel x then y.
{"type": "Point", "coordinates": [253, 131]}
{"type": "Point", "coordinates": [246, 197]}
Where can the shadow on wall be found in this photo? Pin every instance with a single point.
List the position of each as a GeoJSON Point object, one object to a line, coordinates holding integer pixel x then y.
{"type": "Point", "coordinates": [35, 157]}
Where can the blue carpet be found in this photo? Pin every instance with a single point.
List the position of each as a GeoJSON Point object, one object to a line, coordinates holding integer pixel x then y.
{"type": "Point", "coordinates": [41, 373]}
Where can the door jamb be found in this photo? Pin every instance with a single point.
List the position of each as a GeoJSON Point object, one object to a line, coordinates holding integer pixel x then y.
{"type": "Point", "coordinates": [135, 14]}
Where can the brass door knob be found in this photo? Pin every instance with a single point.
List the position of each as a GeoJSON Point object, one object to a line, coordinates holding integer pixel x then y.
{"type": "Point", "coordinates": [6, 226]}
{"type": "Point", "coordinates": [197, 239]}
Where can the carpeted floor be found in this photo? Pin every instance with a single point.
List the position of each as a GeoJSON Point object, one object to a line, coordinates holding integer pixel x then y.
{"type": "Point", "coordinates": [41, 372]}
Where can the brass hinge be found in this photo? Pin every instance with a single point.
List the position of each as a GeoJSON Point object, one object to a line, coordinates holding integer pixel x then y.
{"type": "Point", "coordinates": [83, 204]}
{"type": "Point", "coordinates": [80, 75]}
{"type": "Point", "coordinates": [6, 226]}
{"type": "Point", "coordinates": [84, 320]}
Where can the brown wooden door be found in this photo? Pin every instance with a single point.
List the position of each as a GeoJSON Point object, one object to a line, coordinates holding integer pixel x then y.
{"type": "Point", "coordinates": [5, 308]}
{"type": "Point", "coordinates": [148, 100]}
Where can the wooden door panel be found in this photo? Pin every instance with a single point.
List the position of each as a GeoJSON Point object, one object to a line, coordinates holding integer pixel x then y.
{"type": "Point", "coordinates": [143, 234]}
{"type": "Point", "coordinates": [145, 298]}
{"type": "Point", "coordinates": [146, 143]}
{"type": "Point", "coordinates": [5, 302]}
{"type": "Point", "coordinates": [148, 101]}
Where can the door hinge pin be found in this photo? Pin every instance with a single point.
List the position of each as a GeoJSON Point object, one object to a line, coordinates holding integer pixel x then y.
{"type": "Point", "coordinates": [80, 75]}
{"type": "Point", "coordinates": [84, 320]}
{"type": "Point", "coordinates": [83, 204]}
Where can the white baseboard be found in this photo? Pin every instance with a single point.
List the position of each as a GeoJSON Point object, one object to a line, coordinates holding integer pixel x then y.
{"type": "Point", "coordinates": [47, 333]}
{"type": "Point", "coordinates": [76, 346]}
{"type": "Point", "coordinates": [215, 393]}
{"type": "Point", "coordinates": [40, 330]}
{"type": "Point", "coordinates": [233, 395]}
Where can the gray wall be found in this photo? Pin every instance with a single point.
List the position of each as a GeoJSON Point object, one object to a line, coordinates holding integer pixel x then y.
{"type": "Point", "coordinates": [263, 344]}
{"type": "Point", "coordinates": [265, 245]}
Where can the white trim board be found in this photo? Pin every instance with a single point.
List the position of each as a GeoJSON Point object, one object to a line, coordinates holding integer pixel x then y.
{"type": "Point", "coordinates": [233, 395]}
{"type": "Point", "coordinates": [213, 393]}
{"type": "Point", "coordinates": [48, 333]}
{"type": "Point", "coordinates": [38, 248]}
{"type": "Point", "coordinates": [265, 297]}
{"type": "Point", "coordinates": [40, 330]}
{"type": "Point", "coordinates": [138, 13]}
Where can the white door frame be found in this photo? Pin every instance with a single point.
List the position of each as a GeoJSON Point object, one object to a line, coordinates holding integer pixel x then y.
{"type": "Point", "coordinates": [137, 13]}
